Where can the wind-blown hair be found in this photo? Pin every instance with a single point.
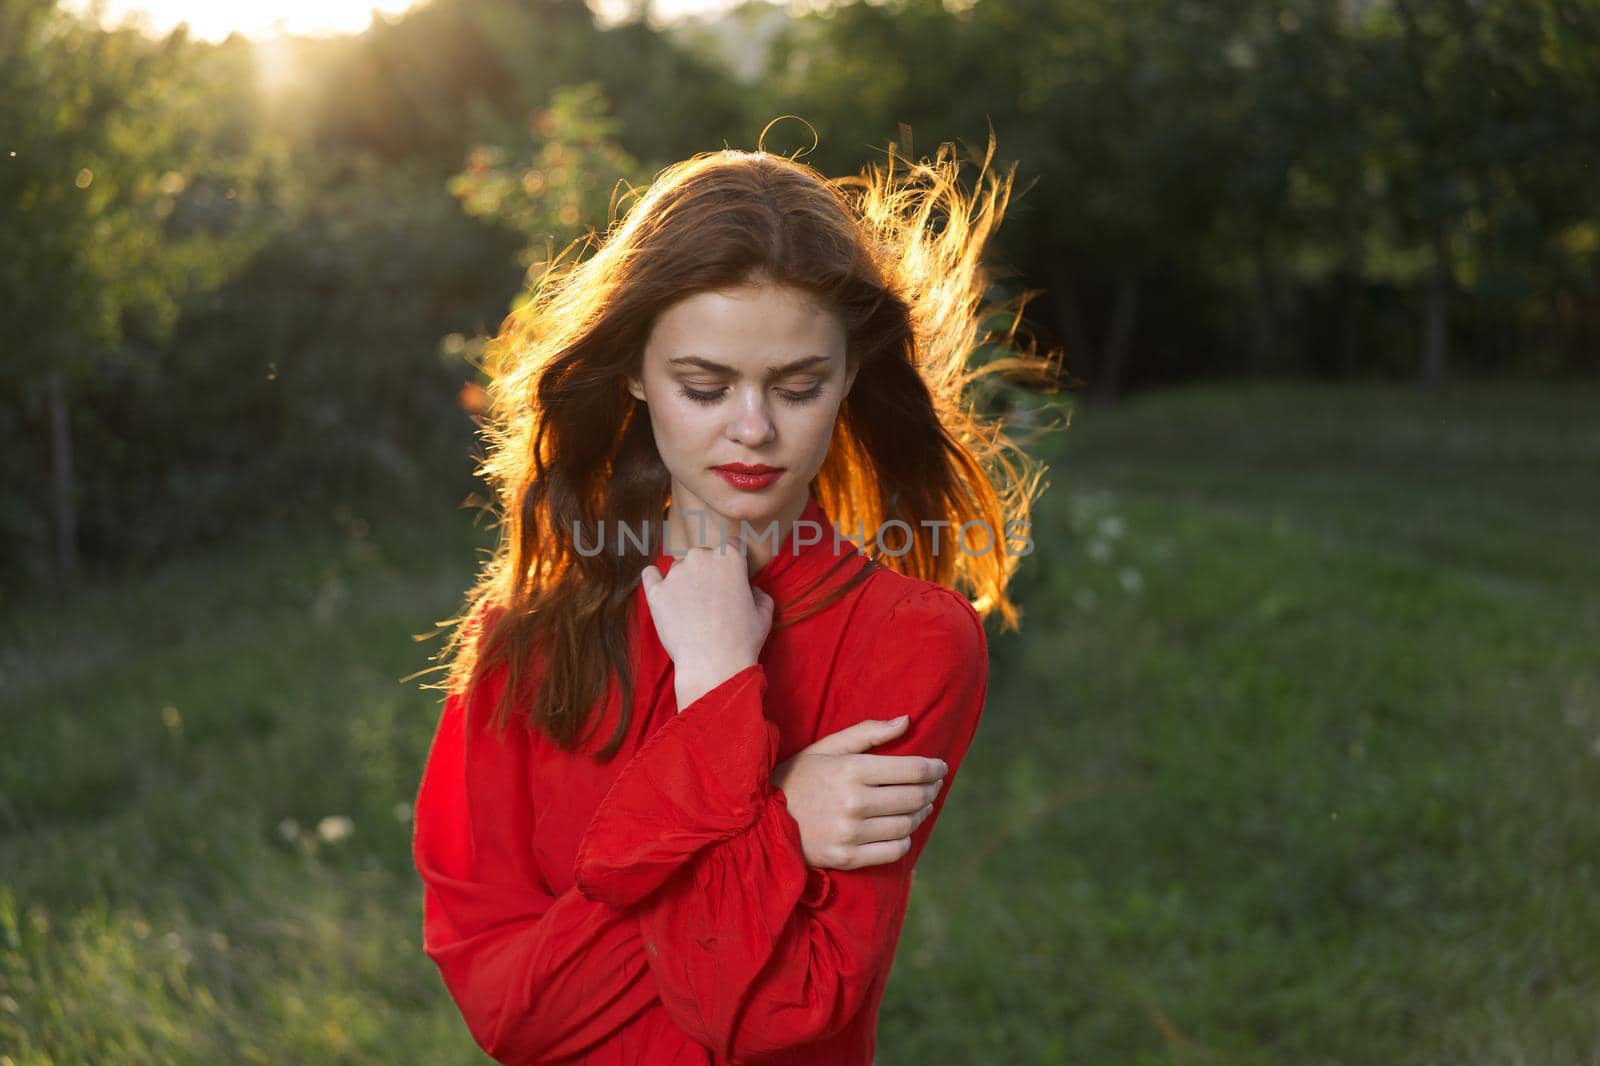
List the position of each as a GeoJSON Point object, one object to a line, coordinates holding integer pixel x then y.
{"type": "Point", "coordinates": [895, 253]}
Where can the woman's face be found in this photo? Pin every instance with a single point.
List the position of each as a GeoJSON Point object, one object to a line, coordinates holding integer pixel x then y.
{"type": "Point", "coordinates": [750, 376]}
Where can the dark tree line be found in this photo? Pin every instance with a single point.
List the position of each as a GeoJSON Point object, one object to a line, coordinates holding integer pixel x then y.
{"type": "Point", "coordinates": [240, 280]}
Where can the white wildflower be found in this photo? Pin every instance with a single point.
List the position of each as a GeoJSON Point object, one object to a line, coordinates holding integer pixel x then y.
{"type": "Point", "coordinates": [334, 828]}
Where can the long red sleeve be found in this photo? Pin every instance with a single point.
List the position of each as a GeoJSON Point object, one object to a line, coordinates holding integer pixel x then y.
{"type": "Point", "coordinates": [536, 976]}
{"type": "Point", "coordinates": [752, 951]}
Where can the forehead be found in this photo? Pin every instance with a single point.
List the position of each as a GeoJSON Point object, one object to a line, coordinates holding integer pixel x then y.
{"type": "Point", "coordinates": [751, 328]}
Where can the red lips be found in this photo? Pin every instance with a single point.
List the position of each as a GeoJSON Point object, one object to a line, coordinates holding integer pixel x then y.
{"type": "Point", "coordinates": [748, 477]}
{"type": "Point", "coordinates": [741, 468]}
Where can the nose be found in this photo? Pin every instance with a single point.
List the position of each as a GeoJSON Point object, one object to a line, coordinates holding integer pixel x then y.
{"type": "Point", "coordinates": [751, 423]}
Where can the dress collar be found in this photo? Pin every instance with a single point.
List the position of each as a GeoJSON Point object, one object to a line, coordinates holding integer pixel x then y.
{"type": "Point", "coordinates": [795, 566]}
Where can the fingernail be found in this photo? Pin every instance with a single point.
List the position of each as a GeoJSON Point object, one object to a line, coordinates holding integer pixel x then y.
{"type": "Point", "coordinates": [902, 718]}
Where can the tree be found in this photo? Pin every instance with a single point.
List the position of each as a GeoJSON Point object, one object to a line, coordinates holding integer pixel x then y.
{"type": "Point", "coordinates": [120, 196]}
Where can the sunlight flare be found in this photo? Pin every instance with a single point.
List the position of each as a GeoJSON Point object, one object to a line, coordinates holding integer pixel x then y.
{"type": "Point", "coordinates": [253, 18]}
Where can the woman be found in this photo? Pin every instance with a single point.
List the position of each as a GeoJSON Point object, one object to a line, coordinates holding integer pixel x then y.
{"type": "Point", "coordinates": [757, 364]}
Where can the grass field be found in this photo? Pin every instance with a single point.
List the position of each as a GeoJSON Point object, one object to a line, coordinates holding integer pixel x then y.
{"type": "Point", "coordinates": [1296, 759]}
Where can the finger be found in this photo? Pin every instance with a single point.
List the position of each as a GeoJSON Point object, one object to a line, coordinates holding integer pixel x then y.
{"type": "Point", "coordinates": [879, 854]}
{"type": "Point", "coordinates": [723, 541]}
{"type": "Point", "coordinates": [898, 769]}
{"type": "Point", "coordinates": [887, 801]}
{"type": "Point", "coordinates": [893, 826]}
{"type": "Point", "coordinates": [859, 737]}
{"type": "Point", "coordinates": [650, 577]}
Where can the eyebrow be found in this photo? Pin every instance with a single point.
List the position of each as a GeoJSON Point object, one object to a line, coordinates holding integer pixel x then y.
{"type": "Point", "coordinates": [703, 363]}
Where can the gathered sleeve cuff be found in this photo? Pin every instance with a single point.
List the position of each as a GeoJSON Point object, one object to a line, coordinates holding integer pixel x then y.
{"type": "Point", "coordinates": [700, 779]}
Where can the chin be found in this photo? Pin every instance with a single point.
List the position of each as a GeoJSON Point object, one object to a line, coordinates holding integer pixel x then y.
{"type": "Point", "coordinates": [757, 508]}
{"type": "Point", "coordinates": [738, 506]}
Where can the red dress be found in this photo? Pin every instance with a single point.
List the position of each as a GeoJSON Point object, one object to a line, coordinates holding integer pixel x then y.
{"type": "Point", "coordinates": [658, 908]}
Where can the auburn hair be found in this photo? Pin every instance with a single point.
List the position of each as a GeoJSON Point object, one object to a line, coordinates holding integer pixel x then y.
{"type": "Point", "coordinates": [894, 252]}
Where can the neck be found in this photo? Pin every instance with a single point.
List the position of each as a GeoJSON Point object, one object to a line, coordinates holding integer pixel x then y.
{"type": "Point", "coordinates": [690, 523]}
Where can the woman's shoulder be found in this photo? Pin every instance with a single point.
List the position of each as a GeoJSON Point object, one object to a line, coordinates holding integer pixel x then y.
{"type": "Point", "coordinates": [912, 612]}
{"type": "Point", "coordinates": [919, 647]}
{"type": "Point", "coordinates": [890, 591]}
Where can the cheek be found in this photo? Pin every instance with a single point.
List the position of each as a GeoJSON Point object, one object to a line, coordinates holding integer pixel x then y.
{"type": "Point", "coordinates": [679, 424]}
{"type": "Point", "coordinates": [812, 429]}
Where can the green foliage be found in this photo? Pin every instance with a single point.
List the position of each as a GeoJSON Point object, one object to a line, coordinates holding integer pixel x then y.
{"type": "Point", "coordinates": [576, 183]}
{"type": "Point", "coordinates": [121, 190]}
{"type": "Point", "coordinates": [1283, 166]}
{"type": "Point", "coordinates": [259, 270]}
{"type": "Point", "coordinates": [125, 196]}
{"type": "Point", "coordinates": [247, 260]}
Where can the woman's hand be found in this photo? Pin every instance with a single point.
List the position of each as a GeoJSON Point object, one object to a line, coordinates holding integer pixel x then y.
{"type": "Point", "coordinates": [855, 809]}
{"type": "Point", "coordinates": [711, 622]}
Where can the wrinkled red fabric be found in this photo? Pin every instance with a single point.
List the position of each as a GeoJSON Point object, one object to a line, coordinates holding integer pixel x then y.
{"type": "Point", "coordinates": [658, 908]}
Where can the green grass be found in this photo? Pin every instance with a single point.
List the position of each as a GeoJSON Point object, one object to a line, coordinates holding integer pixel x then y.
{"type": "Point", "coordinates": [1295, 759]}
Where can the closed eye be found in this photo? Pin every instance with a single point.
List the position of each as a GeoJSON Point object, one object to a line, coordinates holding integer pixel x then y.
{"type": "Point", "coordinates": [789, 396]}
